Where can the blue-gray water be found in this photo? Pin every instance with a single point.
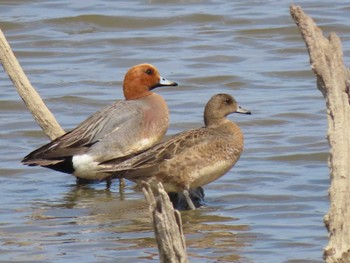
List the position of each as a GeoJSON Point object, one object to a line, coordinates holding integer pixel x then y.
{"type": "Point", "coordinates": [269, 208]}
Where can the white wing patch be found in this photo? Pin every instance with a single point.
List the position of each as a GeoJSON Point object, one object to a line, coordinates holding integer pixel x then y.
{"type": "Point", "coordinates": [85, 167]}
{"type": "Point", "coordinates": [145, 143]}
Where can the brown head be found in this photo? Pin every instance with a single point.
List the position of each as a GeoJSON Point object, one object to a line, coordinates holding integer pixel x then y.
{"type": "Point", "coordinates": [219, 106]}
{"type": "Point", "coordinates": [141, 79]}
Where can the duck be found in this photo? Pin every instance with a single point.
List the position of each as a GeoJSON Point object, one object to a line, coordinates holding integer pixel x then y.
{"type": "Point", "coordinates": [192, 158]}
{"type": "Point", "coordinates": [119, 130]}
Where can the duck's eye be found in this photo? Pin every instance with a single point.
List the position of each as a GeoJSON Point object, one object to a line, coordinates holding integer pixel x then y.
{"type": "Point", "coordinates": [149, 71]}
{"type": "Point", "coordinates": [228, 101]}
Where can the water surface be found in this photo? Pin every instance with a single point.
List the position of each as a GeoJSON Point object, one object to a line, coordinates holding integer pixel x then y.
{"type": "Point", "coordinates": [269, 208]}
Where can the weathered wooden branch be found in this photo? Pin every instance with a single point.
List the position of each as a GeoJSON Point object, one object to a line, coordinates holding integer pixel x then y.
{"type": "Point", "coordinates": [31, 98]}
{"type": "Point", "coordinates": [326, 59]}
{"type": "Point", "coordinates": [167, 226]}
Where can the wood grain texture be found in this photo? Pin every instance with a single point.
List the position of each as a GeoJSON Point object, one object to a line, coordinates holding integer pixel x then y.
{"type": "Point", "coordinates": [326, 59]}
{"type": "Point", "coordinates": [167, 226]}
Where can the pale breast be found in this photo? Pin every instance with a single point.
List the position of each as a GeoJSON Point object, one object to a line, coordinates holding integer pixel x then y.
{"type": "Point", "coordinates": [155, 121]}
{"type": "Point", "coordinates": [210, 173]}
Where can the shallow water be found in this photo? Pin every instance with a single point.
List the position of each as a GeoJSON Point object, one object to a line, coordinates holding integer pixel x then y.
{"type": "Point", "coordinates": [269, 208]}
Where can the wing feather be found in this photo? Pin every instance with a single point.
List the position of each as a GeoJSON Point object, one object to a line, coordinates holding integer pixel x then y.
{"type": "Point", "coordinates": [90, 131]}
{"type": "Point", "coordinates": [162, 151]}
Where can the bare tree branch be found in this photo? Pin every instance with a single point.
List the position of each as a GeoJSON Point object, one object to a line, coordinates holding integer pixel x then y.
{"type": "Point", "coordinates": [326, 59]}
{"type": "Point", "coordinates": [31, 98]}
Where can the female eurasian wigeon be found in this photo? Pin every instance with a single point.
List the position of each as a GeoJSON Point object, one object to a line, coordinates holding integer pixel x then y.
{"type": "Point", "coordinates": [191, 158]}
{"type": "Point", "coordinates": [117, 131]}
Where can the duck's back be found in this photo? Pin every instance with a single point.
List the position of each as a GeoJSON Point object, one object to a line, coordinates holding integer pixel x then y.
{"type": "Point", "coordinates": [117, 131]}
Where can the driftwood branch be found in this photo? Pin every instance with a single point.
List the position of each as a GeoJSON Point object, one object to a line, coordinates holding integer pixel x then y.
{"type": "Point", "coordinates": [167, 226]}
{"type": "Point", "coordinates": [326, 59]}
{"type": "Point", "coordinates": [31, 98]}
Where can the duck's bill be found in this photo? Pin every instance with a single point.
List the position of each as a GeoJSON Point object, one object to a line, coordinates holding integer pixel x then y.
{"type": "Point", "coordinates": [242, 110]}
{"type": "Point", "coordinates": [165, 82]}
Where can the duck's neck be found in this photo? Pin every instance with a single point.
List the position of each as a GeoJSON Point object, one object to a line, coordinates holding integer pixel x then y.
{"type": "Point", "coordinates": [211, 122]}
{"type": "Point", "coordinates": [136, 92]}
{"type": "Point", "coordinates": [225, 126]}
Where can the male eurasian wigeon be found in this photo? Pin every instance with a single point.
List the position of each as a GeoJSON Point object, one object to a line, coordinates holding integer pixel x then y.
{"type": "Point", "coordinates": [118, 131]}
{"type": "Point", "coordinates": [191, 158]}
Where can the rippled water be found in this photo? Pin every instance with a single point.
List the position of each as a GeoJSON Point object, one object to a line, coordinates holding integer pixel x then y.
{"type": "Point", "coordinates": [269, 208]}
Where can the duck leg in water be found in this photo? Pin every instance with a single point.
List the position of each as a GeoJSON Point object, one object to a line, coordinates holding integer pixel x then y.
{"type": "Point", "coordinates": [179, 200]}
{"type": "Point", "coordinates": [188, 199]}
